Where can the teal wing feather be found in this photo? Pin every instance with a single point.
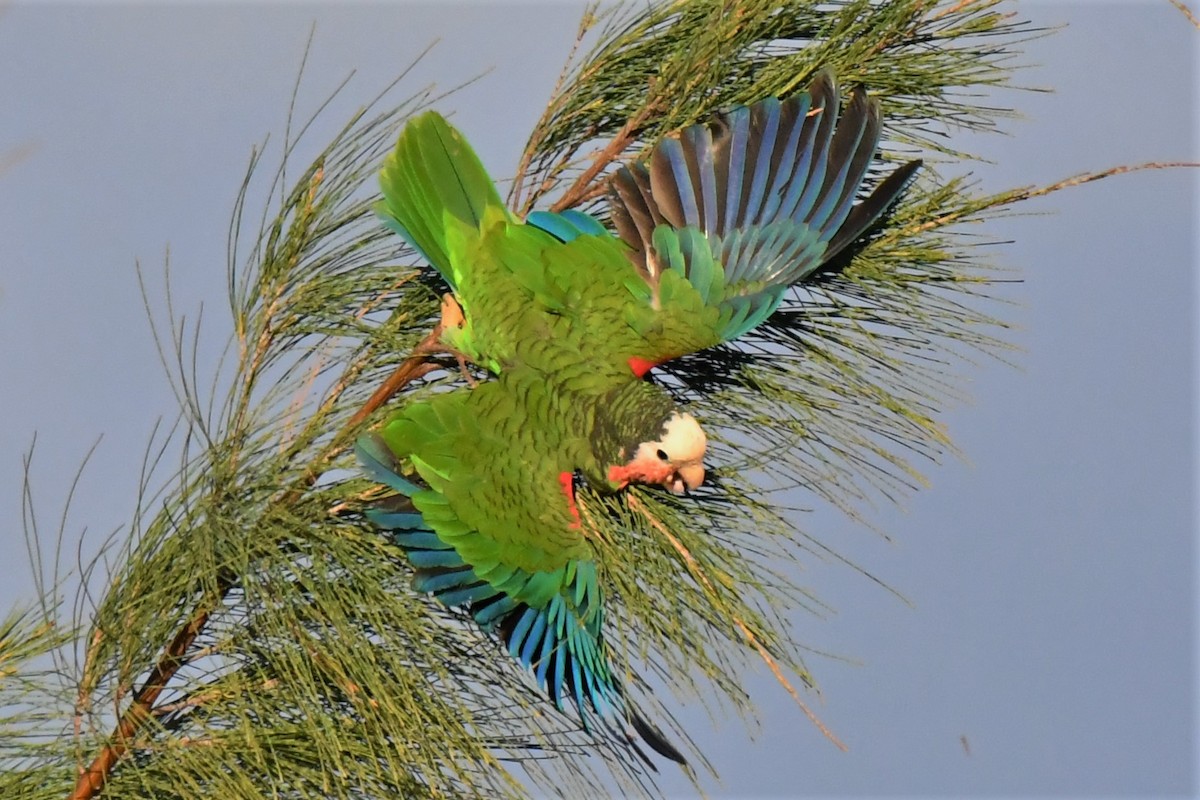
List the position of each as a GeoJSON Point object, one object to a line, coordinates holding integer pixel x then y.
{"type": "Point", "coordinates": [486, 523]}
{"type": "Point", "coordinates": [752, 203]}
{"type": "Point", "coordinates": [566, 225]}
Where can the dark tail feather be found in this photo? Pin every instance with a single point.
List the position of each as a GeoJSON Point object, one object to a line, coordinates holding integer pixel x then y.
{"type": "Point", "coordinates": [643, 733]}
{"type": "Point", "coordinates": [655, 738]}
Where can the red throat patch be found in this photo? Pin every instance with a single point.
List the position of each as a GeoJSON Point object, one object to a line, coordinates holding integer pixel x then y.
{"type": "Point", "coordinates": [567, 481]}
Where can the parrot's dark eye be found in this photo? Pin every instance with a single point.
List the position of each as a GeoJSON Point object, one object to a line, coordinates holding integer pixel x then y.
{"type": "Point", "coordinates": [662, 455]}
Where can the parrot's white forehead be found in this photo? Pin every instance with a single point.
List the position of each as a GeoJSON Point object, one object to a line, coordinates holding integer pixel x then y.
{"type": "Point", "coordinates": [683, 438]}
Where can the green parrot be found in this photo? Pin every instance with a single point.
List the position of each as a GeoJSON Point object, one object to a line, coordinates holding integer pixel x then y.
{"type": "Point", "coordinates": [711, 231]}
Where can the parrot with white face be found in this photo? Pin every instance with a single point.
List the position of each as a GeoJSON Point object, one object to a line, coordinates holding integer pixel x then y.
{"type": "Point", "coordinates": [568, 318]}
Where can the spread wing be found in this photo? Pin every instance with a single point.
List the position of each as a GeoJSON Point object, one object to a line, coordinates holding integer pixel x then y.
{"type": "Point", "coordinates": [713, 229]}
{"type": "Point", "coordinates": [487, 518]}
{"type": "Point", "coordinates": [721, 220]}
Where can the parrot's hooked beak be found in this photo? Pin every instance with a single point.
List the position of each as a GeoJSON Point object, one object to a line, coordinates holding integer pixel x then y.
{"type": "Point", "coordinates": [686, 476]}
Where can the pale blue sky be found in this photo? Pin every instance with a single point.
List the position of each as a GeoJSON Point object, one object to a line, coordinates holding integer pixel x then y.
{"type": "Point", "coordinates": [1053, 576]}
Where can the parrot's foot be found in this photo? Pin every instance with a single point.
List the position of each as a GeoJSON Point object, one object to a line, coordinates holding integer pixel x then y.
{"type": "Point", "coordinates": [452, 313]}
{"type": "Point", "coordinates": [452, 319]}
{"type": "Point", "coordinates": [437, 348]}
{"type": "Point", "coordinates": [466, 373]}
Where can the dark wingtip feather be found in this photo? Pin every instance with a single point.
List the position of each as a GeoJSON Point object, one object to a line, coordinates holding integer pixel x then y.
{"type": "Point", "coordinates": [868, 212]}
{"type": "Point", "coordinates": [772, 186]}
{"type": "Point", "coordinates": [823, 86]}
{"type": "Point", "coordinates": [850, 154]}
{"type": "Point", "coordinates": [633, 213]}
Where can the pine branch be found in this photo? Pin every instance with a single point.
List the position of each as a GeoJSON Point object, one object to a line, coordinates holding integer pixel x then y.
{"type": "Point", "coordinates": [142, 707]}
{"type": "Point", "coordinates": [296, 655]}
{"type": "Point", "coordinates": [306, 213]}
{"type": "Point", "coordinates": [684, 91]}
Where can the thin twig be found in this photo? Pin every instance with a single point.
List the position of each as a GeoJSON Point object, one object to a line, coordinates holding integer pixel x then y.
{"type": "Point", "coordinates": [556, 100]}
{"type": "Point", "coordinates": [141, 709]}
{"type": "Point", "coordinates": [698, 573]}
{"type": "Point", "coordinates": [582, 185]}
{"type": "Point", "coordinates": [1029, 192]}
{"type": "Point", "coordinates": [1187, 12]}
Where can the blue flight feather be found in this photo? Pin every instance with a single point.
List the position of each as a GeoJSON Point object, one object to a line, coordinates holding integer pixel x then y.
{"type": "Point", "coordinates": [381, 465]}
{"type": "Point", "coordinates": [673, 151]}
{"type": "Point", "coordinates": [771, 188]}
{"type": "Point", "coordinates": [762, 166]}
{"type": "Point", "coordinates": [461, 595]}
{"type": "Point", "coordinates": [700, 146]}
{"type": "Point", "coordinates": [533, 639]}
{"type": "Point", "coordinates": [424, 559]}
{"type": "Point", "coordinates": [543, 656]}
{"type": "Point", "coordinates": [560, 663]}
{"type": "Point", "coordinates": [394, 520]}
{"type": "Point", "coordinates": [787, 160]}
{"type": "Point", "coordinates": [437, 581]}
{"type": "Point", "coordinates": [519, 634]}
{"type": "Point", "coordinates": [739, 123]}
{"type": "Point", "coordinates": [422, 538]}
{"type": "Point", "coordinates": [489, 615]}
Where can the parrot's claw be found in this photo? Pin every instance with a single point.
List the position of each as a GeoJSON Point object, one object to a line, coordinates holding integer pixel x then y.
{"type": "Point", "coordinates": [433, 345]}
{"type": "Point", "coordinates": [462, 367]}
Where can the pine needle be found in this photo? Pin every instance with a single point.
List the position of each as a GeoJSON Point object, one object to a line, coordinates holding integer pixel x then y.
{"type": "Point", "coordinates": [256, 637]}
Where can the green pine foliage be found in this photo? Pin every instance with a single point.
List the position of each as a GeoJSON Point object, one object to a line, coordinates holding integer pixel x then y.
{"type": "Point", "coordinates": [256, 638]}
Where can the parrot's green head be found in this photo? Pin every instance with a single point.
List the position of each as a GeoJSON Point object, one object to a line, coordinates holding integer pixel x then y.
{"type": "Point", "coordinates": [669, 453]}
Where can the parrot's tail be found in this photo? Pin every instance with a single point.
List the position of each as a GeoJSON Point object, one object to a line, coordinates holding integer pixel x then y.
{"type": "Point", "coordinates": [431, 179]}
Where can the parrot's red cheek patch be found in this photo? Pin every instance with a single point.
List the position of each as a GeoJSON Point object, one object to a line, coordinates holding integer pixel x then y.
{"type": "Point", "coordinates": [619, 475]}
{"type": "Point", "coordinates": [651, 472]}
{"type": "Point", "coordinates": [567, 481]}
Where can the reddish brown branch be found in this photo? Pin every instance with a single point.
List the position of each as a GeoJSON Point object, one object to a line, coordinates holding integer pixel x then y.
{"type": "Point", "coordinates": [92, 779]}
{"type": "Point", "coordinates": [415, 366]}
{"type": "Point", "coordinates": [1187, 12]}
{"type": "Point", "coordinates": [582, 187]}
